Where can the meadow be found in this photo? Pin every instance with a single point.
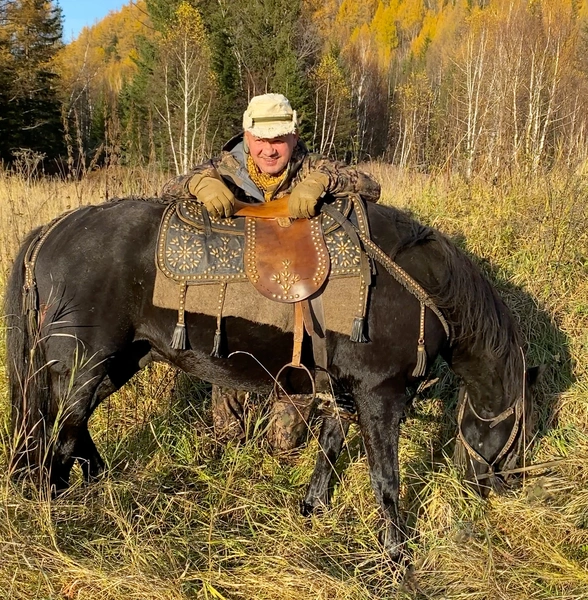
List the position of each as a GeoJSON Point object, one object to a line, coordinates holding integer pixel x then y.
{"type": "Point", "coordinates": [179, 515]}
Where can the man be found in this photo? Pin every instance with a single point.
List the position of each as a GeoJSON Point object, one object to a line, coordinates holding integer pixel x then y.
{"type": "Point", "coordinates": [266, 162]}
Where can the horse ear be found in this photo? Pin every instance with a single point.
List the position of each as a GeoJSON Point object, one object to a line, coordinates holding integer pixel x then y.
{"type": "Point", "coordinates": [534, 374]}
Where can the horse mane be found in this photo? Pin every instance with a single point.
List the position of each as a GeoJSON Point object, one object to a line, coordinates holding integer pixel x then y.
{"type": "Point", "coordinates": [150, 199]}
{"type": "Point", "coordinates": [481, 322]}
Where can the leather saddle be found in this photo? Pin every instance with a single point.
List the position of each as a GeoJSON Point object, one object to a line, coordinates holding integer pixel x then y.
{"type": "Point", "coordinates": [286, 260]}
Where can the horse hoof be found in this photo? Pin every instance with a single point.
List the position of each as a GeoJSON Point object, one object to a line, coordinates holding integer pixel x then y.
{"type": "Point", "coordinates": [306, 508]}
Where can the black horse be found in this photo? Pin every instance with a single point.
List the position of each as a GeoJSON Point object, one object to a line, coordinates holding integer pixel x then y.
{"type": "Point", "coordinates": [97, 326]}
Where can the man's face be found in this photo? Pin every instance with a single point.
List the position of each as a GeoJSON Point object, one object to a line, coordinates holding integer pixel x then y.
{"type": "Point", "coordinates": [271, 156]}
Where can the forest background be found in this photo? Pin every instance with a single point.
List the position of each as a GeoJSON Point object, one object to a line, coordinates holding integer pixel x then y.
{"type": "Point", "coordinates": [471, 86]}
{"type": "Point", "coordinates": [473, 117]}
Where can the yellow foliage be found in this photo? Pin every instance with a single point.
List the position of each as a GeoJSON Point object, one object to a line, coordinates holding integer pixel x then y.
{"type": "Point", "coordinates": [328, 74]}
{"type": "Point", "coordinates": [383, 26]}
{"type": "Point", "coordinates": [427, 33]}
{"type": "Point", "coordinates": [354, 13]}
{"type": "Point", "coordinates": [101, 58]}
{"type": "Point", "coordinates": [410, 15]}
{"type": "Point", "coordinates": [324, 14]}
{"type": "Point", "coordinates": [189, 25]}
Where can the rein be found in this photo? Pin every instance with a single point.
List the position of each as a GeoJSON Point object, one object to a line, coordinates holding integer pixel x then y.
{"type": "Point", "coordinates": [516, 410]}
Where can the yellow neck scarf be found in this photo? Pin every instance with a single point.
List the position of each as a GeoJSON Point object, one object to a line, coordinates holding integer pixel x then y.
{"type": "Point", "coordinates": [268, 184]}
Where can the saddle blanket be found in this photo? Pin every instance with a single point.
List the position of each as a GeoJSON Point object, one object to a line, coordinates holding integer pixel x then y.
{"type": "Point", "coordinates": [341, 300]}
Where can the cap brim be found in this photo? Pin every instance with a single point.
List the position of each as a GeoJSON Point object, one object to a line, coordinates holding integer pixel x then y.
{"type": "Point", "coordinates": [268, 131]}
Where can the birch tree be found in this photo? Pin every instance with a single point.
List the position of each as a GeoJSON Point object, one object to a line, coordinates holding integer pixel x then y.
{"type": "Point", "coordinates": [331, 105]}
{"type": "Point", "coordinates": [188, 87]}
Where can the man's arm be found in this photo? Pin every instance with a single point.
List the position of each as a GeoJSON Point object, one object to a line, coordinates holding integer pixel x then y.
{"type": "Point", "coordinates": [344, 179]}
{"type": "Point", "coordinates": [319, 175]}
{"type": "Point", "coordinates": [178, 187]}
{"type": "Point", "coordinates": [206, 185]}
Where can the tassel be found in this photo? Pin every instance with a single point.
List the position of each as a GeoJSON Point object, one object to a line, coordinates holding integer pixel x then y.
{"type": "Point", "coordinates": [31, 297]}
{"type": "Point", "coordinates": [179, 338]}
{"type": "Point", "coordinates": [218, 336]}
{"type": "Point", "coordinates": [216, 346]}
{"type": "Point", "coordinates": [421, 364]}
{"type": "Point", "coordinates": [357, 331]}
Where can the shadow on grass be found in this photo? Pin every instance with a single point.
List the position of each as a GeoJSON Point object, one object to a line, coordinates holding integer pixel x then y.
{"type": "Point", "coordinates": [546, 345]}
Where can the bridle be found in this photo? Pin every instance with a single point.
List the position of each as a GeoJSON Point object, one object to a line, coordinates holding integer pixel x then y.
{"type": "Point", "coordinates": [516, 409]}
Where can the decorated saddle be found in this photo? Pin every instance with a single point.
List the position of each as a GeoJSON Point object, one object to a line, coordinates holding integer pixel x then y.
{"type": "Point", "coordinates": [260, 262]}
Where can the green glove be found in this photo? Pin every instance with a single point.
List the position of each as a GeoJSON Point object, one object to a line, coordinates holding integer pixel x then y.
{"type": "Point", "coordinates": [214, 194]}
{"type": "Point", "coordinates": [305, 196]}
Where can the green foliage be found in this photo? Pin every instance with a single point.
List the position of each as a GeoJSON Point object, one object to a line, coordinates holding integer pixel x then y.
{"type": "Point", "coordinates": [134, 100]}
{"type": "Point", "coordinates": [230, 105]}
{"type": "Point", "coordinates": [30, 113]}
{"type": "Point", "coordinates": [268, 42]}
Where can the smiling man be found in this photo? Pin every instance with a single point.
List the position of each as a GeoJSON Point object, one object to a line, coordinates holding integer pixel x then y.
{"type": "Point", "coordinates": [265, 162]}
{"type": "Point", "coordinates": [268, 161]}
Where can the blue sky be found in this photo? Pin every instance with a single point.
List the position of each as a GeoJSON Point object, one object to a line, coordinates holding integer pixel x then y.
{"type": "Point", "coordinates": [78, 13]}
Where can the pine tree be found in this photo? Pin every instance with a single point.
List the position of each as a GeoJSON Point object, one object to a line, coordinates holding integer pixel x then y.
{"type": "Point", "coordinates": [274, 52]}
{"type": "Point", "coordinates": [30, 36]}
{"type": "Point", "coordinates": [226, 118]}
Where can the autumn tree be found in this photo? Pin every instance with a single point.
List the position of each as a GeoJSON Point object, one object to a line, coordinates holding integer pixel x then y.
{"type": "Point", "coordinates": [94, 70]}
{"type": "Point", "coordinates": [188, 87]}
{"type": "Point", "coordinates": [332, 105]}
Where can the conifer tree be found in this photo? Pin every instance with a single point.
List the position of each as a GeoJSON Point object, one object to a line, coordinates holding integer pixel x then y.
{"type": "Point", "coordinates": [30, 36]}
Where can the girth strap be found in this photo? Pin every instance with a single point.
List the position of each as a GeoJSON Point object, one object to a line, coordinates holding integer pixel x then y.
{"type": "Point", "coordinates": [298, 335]}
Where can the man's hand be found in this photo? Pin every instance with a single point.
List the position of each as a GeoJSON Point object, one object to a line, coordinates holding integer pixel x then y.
{"type": "Point", "coordinates": [305, 196]}
{"type": "Point", "coordinates": [214, 194]}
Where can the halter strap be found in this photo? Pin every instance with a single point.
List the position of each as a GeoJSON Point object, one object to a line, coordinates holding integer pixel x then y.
{"type": "Point", "coordinates": [515, 409]}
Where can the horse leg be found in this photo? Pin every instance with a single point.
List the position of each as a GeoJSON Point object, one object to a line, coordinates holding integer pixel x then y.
{"type": "Point", "coordinates": [331, 438]}
{"type": "Point", "coordinates": [68, 436]}
{"type": "Point", "coordinates": [380, 413]}
{"type": "Point", "coordinates": [88, 456]}
{"type": "Point", "coordinates": [119, 371]}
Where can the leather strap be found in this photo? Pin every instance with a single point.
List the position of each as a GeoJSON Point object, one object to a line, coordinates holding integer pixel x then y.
{"type": "Point", "coordinates": [298, 334]}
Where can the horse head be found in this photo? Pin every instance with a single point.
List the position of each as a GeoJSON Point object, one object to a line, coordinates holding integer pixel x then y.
{"type": "Point", "coordinates": [492, 432]}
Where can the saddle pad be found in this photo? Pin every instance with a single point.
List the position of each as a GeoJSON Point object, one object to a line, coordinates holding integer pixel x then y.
{"type": "Point", "coordinates": [189, 255]}
{"type": "Point", "coordinates": [341, 299]}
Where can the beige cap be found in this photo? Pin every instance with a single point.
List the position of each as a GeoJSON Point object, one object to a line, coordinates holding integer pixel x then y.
{"type": "Point", "coordinates": [269, 116]}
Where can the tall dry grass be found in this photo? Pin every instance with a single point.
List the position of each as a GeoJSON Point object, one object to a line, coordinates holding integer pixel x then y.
{"type": "Point", "coordinates": [180, 516]}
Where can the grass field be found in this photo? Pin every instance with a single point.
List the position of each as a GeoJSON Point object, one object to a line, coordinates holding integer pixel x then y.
{"type": "Point", "coordinates": [179, 515]}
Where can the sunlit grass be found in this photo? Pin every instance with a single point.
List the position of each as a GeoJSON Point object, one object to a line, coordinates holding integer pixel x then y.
{"type": "Point", "coordinates": [179, 515]}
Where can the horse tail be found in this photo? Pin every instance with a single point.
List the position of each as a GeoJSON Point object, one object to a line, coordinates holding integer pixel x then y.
{"type": "Point", "coordinates": [28, 375]}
